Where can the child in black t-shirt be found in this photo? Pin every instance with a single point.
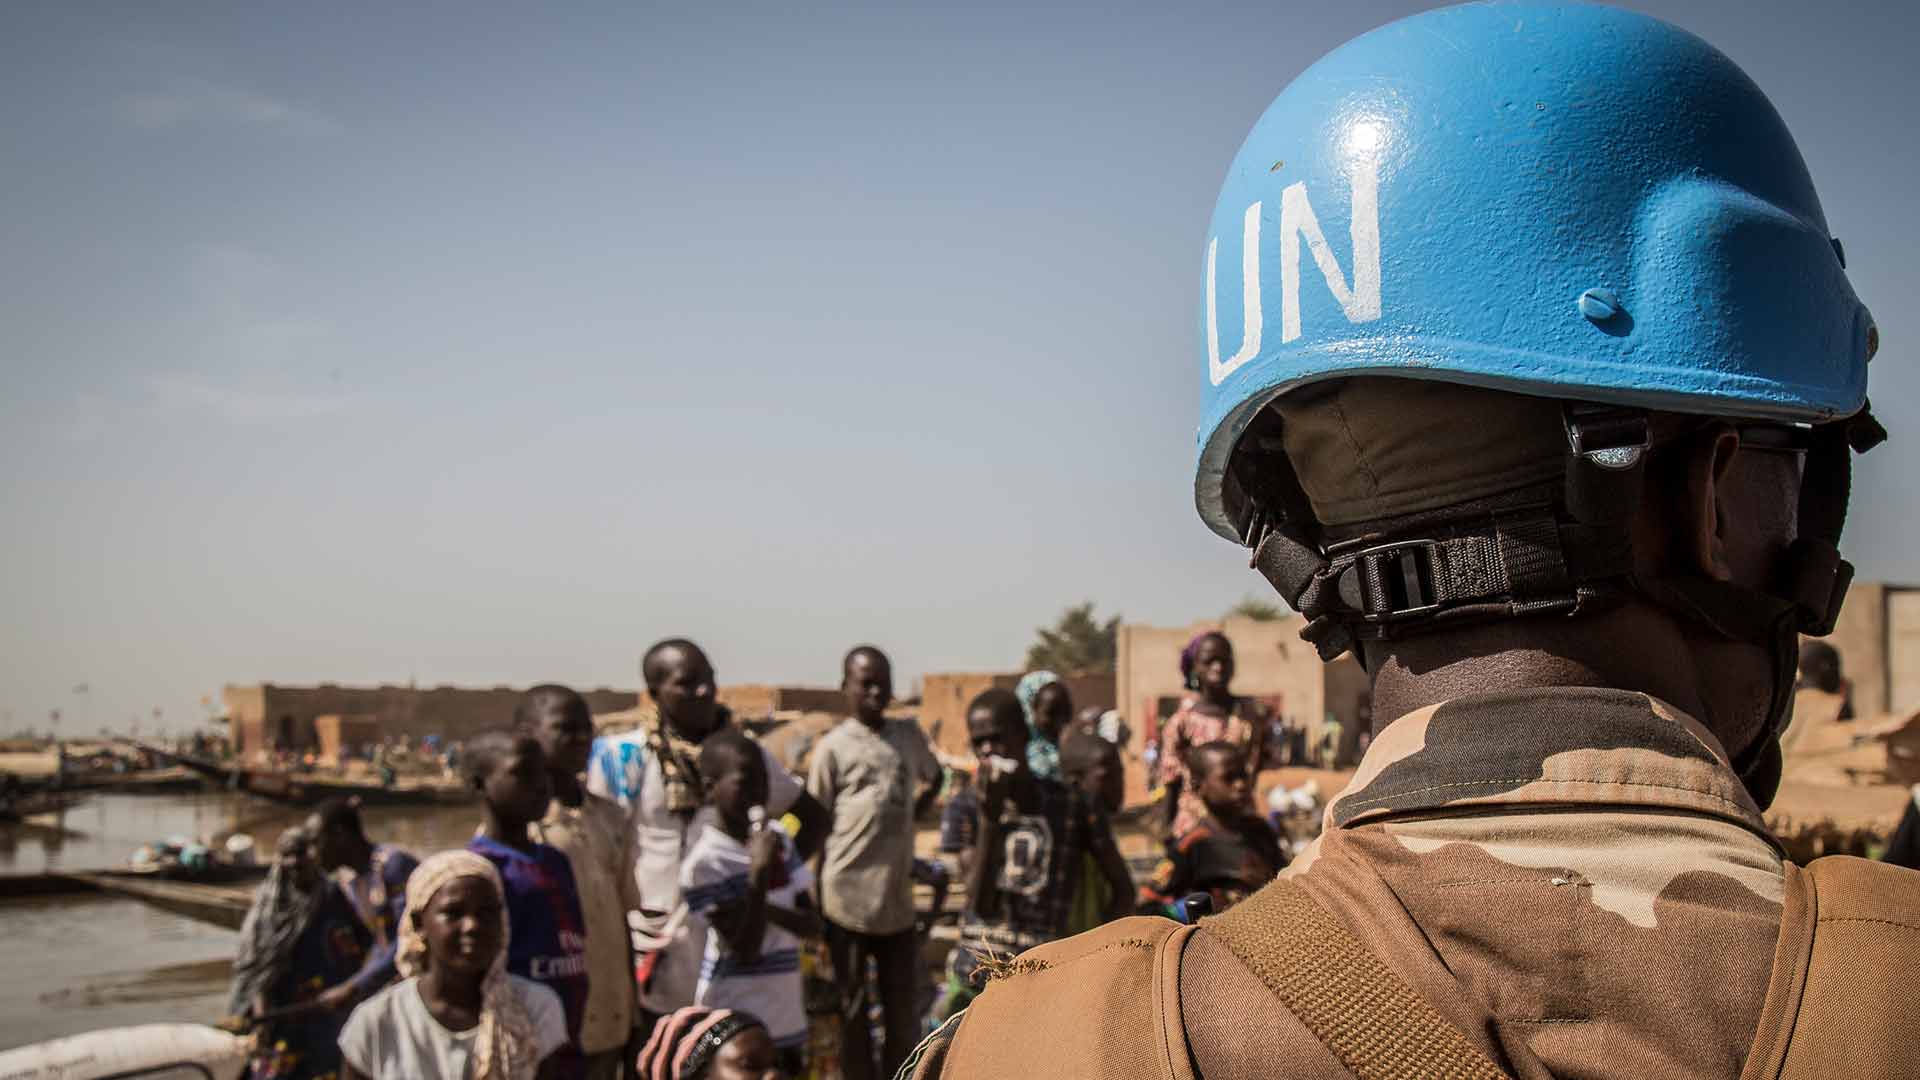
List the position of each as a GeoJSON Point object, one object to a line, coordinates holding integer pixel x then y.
{"type": "Point", "coordinates": [1027, 839]}
{"type": "Point", "coordinates": [1227, 854]}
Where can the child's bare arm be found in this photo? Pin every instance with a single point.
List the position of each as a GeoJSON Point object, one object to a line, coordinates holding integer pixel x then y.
{"type": "Point", "coordinates": [742, 924]}
{"type": "Point", "coordinates": [983, 876]}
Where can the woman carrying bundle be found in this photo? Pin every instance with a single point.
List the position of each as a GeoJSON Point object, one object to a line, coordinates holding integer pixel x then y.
{"type": "Point", "coordinates": [300, 946]}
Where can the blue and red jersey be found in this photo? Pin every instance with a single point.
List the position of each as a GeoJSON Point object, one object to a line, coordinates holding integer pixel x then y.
{"type": "Point", "coordinates": [547, 932]}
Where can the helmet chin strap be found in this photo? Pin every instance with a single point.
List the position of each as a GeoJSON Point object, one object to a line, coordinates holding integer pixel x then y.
{"type": "Point", "coordinates": [1566, 559]}
{"type": "Point", "coordinates": [1814, 585]}
{"type": "Point", "coordinates": [1756, 618]}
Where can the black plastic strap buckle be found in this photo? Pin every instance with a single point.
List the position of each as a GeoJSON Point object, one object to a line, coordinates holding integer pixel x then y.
{"type": "Point", "coordinates": [1607, 436]}
{"type": "Point", "coordinates": [1394, 581]}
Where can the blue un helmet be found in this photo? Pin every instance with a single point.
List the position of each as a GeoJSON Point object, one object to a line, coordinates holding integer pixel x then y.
{"type": "Point", "coordinates": [1557, 200]}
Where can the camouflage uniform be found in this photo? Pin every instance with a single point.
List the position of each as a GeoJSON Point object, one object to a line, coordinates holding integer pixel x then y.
{"type": "Point", "coordinates": [1573, 876]}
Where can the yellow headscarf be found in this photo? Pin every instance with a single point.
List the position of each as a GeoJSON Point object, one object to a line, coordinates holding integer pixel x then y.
{"type": "Point", "coordinates": [506, 1047]}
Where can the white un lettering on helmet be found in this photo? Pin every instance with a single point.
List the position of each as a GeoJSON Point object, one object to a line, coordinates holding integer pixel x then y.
{"type": "Point", "coordinates": [1360, 301]}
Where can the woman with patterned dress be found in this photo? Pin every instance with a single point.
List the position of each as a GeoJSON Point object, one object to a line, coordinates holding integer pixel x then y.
{"type": "Point", "coordinates": [1209, 712]}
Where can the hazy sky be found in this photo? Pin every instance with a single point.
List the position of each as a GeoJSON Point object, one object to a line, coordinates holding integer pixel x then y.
{"type": "Point", "coordinates": [344, 343]}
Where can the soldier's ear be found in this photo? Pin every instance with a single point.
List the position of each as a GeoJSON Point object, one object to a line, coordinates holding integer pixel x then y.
{"type": "Point", "coordinates": [1703, 532]}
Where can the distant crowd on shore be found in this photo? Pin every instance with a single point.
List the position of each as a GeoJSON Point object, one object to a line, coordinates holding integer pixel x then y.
{"type": "Point", "coordinates": [674, 902]}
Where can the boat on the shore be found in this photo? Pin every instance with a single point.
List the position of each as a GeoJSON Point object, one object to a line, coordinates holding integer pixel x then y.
{"type": "Point", "coordinates": [306, 789]}
{"type": "Point", "coordinates": [224, 905]}
{"type": "Point", "coordinates": [71, 882]}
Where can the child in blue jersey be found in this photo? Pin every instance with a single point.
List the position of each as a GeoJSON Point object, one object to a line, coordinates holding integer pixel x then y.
{"type": "Point", "coordinates": [745, 883]}
{"type": "Point", "coordinates": [547, 940]}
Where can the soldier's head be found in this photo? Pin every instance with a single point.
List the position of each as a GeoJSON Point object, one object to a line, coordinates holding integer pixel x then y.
{"type": "Point", "coordinates": [1479, 428]}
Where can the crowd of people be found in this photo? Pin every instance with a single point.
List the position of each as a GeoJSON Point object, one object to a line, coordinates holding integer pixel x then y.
{"type": "Point", "coordinates": [656, 903]}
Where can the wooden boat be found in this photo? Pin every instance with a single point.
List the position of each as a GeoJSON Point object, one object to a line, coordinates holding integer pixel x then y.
{"type": "Point", "coordinates": [37, 803]}
{"type": "Point", "coordinates": [302, 789]}
{"type": "Point", "coordinates": [67, 883]}
{"type": "Point", "coordinates": [219, 905]}
{"type": "Point", "coordinates": [138, 782]}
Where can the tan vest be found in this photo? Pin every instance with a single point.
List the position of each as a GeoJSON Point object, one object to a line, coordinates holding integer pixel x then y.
{"type": "Point", "coordinates": [1108, 1004]}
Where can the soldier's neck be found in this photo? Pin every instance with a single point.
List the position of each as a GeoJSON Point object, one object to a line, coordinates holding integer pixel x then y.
{"type": "Point", "coordinates": [1634, 647]}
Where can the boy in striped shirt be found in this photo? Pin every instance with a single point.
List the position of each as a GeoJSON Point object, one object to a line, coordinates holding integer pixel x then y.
{"type": "Point", "coordinates": [745, 884]}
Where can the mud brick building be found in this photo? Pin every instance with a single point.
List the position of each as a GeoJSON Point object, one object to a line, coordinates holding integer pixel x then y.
{"type": "Point", "coordinates": [265, 715]}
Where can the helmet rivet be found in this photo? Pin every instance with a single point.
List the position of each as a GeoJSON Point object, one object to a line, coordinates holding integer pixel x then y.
{"type": "Point", "coordinates": [1839, 252]}
{"type": "Point", "coordinates": [1873, 340]}
{"type": "Point", "coordinates": [1599, 305]}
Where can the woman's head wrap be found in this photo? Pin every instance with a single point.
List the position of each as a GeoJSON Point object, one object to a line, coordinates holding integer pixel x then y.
{"type": "Point", "coordinates": [506, 1047]}
{"type": "Point", "coordinates": [281, 912]}
{"type": "Point", "coordinates": [1190, 656]}
{"type": "Point", "coordinates": [1029, 689]}
{"type": "Point", "coordinates": [683, 1046]}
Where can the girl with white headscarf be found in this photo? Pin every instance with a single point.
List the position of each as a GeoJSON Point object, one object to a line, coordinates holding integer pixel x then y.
{"type": "Point", "coordinates": [456, 1014]}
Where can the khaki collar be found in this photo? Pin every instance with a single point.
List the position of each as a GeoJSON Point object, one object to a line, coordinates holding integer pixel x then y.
{"type": "Point", "coordinates": [1552, 747]}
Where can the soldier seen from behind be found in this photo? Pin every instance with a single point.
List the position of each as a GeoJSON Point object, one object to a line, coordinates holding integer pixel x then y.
{"type": "Point", "coordinates": [1531, 375]}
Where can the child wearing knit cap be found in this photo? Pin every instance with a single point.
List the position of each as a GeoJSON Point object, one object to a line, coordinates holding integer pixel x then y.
{"type": "Point", "coordinates": [698, 1043]}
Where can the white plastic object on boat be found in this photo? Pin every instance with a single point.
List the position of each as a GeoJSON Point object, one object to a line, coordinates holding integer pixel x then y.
{"type": "Point", "coordinates": [160, 1051]}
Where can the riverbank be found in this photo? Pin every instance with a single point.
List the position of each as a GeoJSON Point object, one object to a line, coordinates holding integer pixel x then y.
{"type": "Point", "coordinates": [98, 961]}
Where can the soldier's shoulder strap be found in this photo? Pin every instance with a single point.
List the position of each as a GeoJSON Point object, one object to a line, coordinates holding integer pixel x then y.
{"type": "Point", "coordinates": [1346, 996]}
{"type": "Point", "coordinates": [1841, 1001]}
{"type": "Point", "coordinates": [1111, 1003]}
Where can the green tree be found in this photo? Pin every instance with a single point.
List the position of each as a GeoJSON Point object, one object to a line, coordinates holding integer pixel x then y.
{"type": "Point", "coordinates": [1078, 644]}
{"type": "Point", "coordinates": [1252, 607]}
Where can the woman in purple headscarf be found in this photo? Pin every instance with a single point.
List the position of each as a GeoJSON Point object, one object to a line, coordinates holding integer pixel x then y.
{"type": "Point", "coordinates": [1209, 712]}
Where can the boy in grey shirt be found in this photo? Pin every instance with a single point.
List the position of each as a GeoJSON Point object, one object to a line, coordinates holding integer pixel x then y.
{"type": "Point", "coordinates": [866, 772]}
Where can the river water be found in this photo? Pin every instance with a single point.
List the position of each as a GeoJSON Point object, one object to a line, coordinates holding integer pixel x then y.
{"type": "Point", "coordinates": [78, 963]}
